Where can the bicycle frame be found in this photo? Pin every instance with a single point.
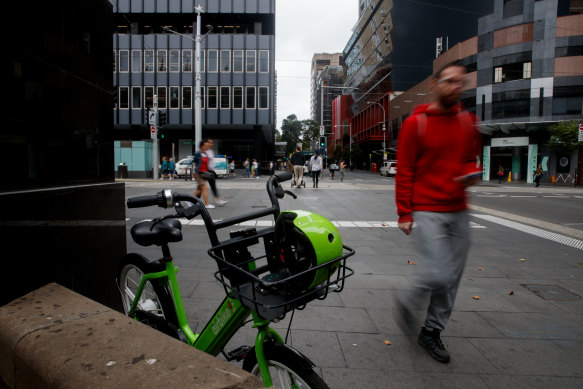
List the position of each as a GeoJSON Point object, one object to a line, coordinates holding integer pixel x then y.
{"type": "Point", "coordinates": [228, 318]}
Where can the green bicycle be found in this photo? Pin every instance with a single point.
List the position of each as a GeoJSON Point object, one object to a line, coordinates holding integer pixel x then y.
{"type": "Point", "coordinates": [301, 259]}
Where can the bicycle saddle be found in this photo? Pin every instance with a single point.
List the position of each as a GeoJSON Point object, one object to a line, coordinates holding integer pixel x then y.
{"type": "Point", "coordinates": [147, 233]}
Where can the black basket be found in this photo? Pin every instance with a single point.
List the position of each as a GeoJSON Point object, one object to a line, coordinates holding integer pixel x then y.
{"type": "Point", "coordinates": [276, 293]}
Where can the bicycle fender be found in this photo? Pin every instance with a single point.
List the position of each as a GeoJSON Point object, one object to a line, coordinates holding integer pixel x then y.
{"type": "Point", "coordinates": [282, 348]}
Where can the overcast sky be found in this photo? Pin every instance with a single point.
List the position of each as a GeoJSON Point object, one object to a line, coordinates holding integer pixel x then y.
{"type": "Point", "coordinates": [303, 28]}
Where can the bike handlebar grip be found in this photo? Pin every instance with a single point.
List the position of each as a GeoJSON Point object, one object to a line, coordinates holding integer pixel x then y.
{"type": "Point", "coordinates": [142, 201]}
{"type": "Point", "coordinates": [284, 176]}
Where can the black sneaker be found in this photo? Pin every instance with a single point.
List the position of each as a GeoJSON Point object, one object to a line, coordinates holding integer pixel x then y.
{"type": "Point", "coordinates": [432, 342]}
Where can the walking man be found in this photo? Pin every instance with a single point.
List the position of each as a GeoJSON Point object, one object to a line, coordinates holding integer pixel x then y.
{"type": "Point", "coordinates": [316, 166]}
{"type": "Point", "coordinates": [213, 178]}
{"type": "Point", "coordinates": [438, 150]}
{"type": "Point", "coordinates": [297, 162]}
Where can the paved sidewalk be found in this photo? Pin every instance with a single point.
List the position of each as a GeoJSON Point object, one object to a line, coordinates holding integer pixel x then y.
{"type": "Point", "coordinates": [524, 331]}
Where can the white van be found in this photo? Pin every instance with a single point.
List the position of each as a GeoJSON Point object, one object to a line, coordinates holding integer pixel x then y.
{"type": "Point", "coordinates": [389, 168]}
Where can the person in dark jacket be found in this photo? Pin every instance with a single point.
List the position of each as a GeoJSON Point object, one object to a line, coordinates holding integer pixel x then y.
{"type": "Point", "coordinates": [297, 162]}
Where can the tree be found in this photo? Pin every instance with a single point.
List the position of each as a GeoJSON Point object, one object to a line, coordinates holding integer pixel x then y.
{"type": "Point", "coordinates": [291, 131]}
{"type": "Point", "coordinates": [338, 153]}
{"type": "Point", "coordinates": [357, 155]}
{"type": "Point", "coordinates": [564, 137]}
{"type": "Point", "coordinates": [311, 130]}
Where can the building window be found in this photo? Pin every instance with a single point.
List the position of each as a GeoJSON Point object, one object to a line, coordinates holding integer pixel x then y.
{"type": "Point", "coordinates": [567, 100]}
{"type": "Point", "coordinates": [238, 97]}
{"type": "Point", "coordinates": [162, 61]}
{"type": "Point", "coordinates": [212, 61]}
{"type": "Point", "coordinates": [225, 61]}
{"type": "Point", "coordinates": [136, 97]}
{"type": "Point", "coordinates": [237, 61]}
{"type": "Point", "coordinates": [114, 61]}
{"type": "Point", "coordinates": [148, 61]}
{"type": "Point", "coordinates": [202, 97]}
{"type": "Point", "coordinates": [263, 61]}
{"type": "Point", "coordinates": [174, 61]}
{"type": "Point", "coordinates": [250, 97]}
{"type": "Point", "coordinates": [148, 97]}
{"type": "Point", "coordinates": [225, 97]}
{"type": "Point", "coordinates": [136, 61]}
{"type": "Point", "coordinates": [124, 61]}
{"type": "Point", "coordinates": [124, 97]}
{"type": "Point", "coordinates": [202, 60]}
{"type": "Point", "coordinates": [162, 97]}
{"type": "Point", "coordinates": [498, 74]}
{"type": "Point", "coordinates": [187, 97]}
{"type": "Point", "coordinates": [212, 97]}
{"type": "Point", "coordinates": [250, 63]}
{"type": "Point", "coordinates": [527, 70]}
{"type": "Point", "coordinates": [174, 97]}
{"type": "Point", "coordinates": [187, 60]}
{"type": "Point", "coordinates": [263, 97]}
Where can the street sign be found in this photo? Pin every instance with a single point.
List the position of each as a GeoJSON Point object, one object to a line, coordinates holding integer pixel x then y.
{"type": "Point", "coordinates": [152, 117]}
{"type": "Point", "coordinates": [153, 132]}
{"type": "Point", "coordinates": [321, 130]}
{"type": "Point", "coordinates": [581, 132]}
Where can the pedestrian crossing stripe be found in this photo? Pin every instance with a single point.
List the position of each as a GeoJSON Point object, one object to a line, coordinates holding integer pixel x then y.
{"type": "Point", "coordinates": [337, 224]}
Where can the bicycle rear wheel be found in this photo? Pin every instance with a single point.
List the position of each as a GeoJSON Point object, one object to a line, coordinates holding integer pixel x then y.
{"type": "Point", "coordinates": [287, 369]}
{"type": "Point", "coordinates": [155, 307]}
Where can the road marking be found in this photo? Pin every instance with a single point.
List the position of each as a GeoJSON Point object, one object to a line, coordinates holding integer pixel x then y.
{"type": "Point", "coordinates": [523, 196]}
{"type": "Point", "coordinates": [566, 240]}
{"type": "Point", "coordinates": [490, 195]}
{"type": "Point", "coordinates": [338, 224]}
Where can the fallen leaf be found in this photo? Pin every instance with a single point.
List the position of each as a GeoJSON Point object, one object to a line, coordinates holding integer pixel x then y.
{"type": "Point", "coordinates": [411, 262]}
{"type": "Point", "coordinates": [476, 297]}
{"type": "Point", "coordinates": [480, 268]}
{"type": "Point", "coordinates": [511, 293]}
{"type": "Point", "coordinates": [522, 260]}
{"type": "Point", "coordinates": [354, 344]}
{"type": "Point", "coordinates": [470, 279]}
{"type": "Point", "coordinates": [387, 342]}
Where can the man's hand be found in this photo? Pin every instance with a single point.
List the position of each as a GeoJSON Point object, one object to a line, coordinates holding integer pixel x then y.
{"type": "Point", "coordinates": [406, 227]}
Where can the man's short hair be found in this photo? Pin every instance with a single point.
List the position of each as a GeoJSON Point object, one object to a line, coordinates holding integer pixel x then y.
{"type": "Point", "coordinates": [456, 63]}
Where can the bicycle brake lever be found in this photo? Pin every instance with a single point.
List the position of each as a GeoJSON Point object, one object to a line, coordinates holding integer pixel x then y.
{"type": "Point", "coordinates": [290, 193]}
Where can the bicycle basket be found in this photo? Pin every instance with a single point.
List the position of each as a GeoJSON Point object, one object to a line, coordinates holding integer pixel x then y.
{"type": "Point", "coordinates": [276, 288]}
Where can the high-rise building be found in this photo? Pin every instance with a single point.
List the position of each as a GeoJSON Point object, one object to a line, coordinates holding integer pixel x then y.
{"type": "Point", "coordinates": [392, 49]}
{"type": "Point", "coordinates": [326, 71]}
{"type": "Point", "coordinates": [154, 51]}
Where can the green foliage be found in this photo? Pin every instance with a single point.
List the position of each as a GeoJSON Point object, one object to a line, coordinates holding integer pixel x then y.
{"type": "Point", "coordinates": [338, 153]}
{"type": "Point", "coordinates": [564, 137]}
{"type": "Point", "coordinates": [311, 130]}
{"type": "Point", "coordinates": [291, 131]}
{"type": "Point", "coordinates": [357, 155]}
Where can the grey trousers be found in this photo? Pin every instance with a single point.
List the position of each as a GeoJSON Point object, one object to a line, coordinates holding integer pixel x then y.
{"type": "Point", "coordinates": [443, 242]}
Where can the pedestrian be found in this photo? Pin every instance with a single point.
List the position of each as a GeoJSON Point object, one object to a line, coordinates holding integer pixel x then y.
{"type": "Point", "coordinates": [333, 168]}
{"type": "Point", "coordinates": [202, 174]}
{"type": "Point", "coordinates": [297, 161]}
{"type": "Point", "coordinates": [342, 167]}
{"type": "Point", "coordinates": [255, 169]}
{"type": "Point", "coordinates": [315, 167]}
{"type": "Point", "coordinates": [211, 168]}
{"type": "Point", "coordinates": [438, 158]}
{"type": "Point", "coordinates": [247, 168]}
{"type": "Point", "coordinates": [232, 167]}
{"type": "Point", "coordinates": [538, 175]}
{"type": "Point", "coordinates": [165, 167]}
{"type": "Point", "coordinates": [271, 168]}
{"type": "Point", "coordinates": [171, 169]}
{"type": "Point", "coordinates": [500, 173]}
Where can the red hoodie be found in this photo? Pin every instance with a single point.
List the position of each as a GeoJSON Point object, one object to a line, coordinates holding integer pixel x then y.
{"type": "Point", "coordinates": [430, 156]}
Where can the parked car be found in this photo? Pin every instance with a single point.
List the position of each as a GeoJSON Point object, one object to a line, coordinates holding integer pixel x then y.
{"type": "Point", "coordinates": [389, 168]}
{"type": "Point", "coordinates": [183, 167]}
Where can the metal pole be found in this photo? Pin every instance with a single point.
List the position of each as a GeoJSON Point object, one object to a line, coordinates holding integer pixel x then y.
{"type": "Point", "coordinates": [155, 148]}
{"type": "Point", "coordinates": [197, 96]}
{"type": "Point", "coordinates": [350, 155]}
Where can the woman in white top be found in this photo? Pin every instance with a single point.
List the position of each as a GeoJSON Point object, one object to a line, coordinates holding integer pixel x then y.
{"type": "Point", "coordinates": [316, 167]}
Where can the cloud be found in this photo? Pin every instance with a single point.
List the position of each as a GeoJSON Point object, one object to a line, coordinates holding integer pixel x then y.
{"type": "Point", "coordinates": [304, 28]}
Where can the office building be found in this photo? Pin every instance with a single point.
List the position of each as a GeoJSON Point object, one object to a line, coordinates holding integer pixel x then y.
{"type": "Point", "coordinates": [154, 50]}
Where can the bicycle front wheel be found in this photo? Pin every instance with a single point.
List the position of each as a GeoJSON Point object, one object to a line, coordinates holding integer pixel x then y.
{"type": "Point", "coordinates": [287, 369]}
{"type": "Point", "coordinates": [155, 307]}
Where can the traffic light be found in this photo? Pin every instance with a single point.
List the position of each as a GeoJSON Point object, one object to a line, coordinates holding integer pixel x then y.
{"type": "Point", "coordinates": [161, 133]}
{"type": "Point", "coordinates": [322, 142]}
{"type": "Point", "coordinates": [161, 118]}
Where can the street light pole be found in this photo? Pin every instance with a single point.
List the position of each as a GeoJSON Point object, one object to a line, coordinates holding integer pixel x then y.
{"type": "Point", "coordinates": [197, 95]}
{"type": "Point", "coordinates": [384, 120]}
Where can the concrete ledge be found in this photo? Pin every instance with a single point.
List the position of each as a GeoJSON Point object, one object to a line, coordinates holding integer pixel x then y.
{"type": "Point", "coordinates": [54, 337]}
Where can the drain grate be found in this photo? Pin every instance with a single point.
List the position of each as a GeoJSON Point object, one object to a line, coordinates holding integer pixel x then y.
{"type": "Point", "coordinates": [551, 292]}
